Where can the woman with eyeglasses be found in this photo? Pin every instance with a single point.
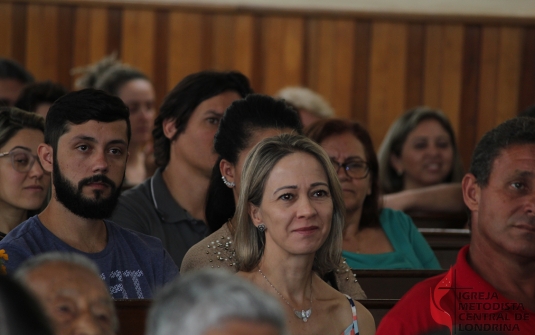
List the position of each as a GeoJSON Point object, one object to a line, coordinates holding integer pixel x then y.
{"type": "Point", "coordinates": [23, 182]}
{"type": "Point", "coordinates": [374, 237]}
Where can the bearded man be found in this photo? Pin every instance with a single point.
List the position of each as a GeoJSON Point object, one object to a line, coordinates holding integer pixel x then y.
{"type": "Point", "coordinates": [86, 148]}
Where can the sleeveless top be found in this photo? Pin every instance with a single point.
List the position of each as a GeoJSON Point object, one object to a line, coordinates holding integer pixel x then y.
{"type": "Point", "coordinates": [353, 328]}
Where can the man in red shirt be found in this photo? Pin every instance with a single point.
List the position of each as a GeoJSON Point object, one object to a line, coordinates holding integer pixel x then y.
{"type": "Point", "coordinates": [491, 288]}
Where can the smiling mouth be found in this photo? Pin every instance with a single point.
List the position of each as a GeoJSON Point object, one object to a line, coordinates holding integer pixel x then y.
{"type": "Point", "coordinates": [306, 229]}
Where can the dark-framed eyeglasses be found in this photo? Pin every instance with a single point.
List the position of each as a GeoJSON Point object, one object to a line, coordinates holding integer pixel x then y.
{"type": "Point", "coordinates": [353, 169]}
{"type": "Point", "coordinates": [22, 159]}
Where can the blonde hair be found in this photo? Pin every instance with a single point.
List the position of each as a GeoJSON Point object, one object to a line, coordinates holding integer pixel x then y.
{"type": "Point", "coordinates": [304, 98]}
{"type": "Point", "coordinates": [249, 242]}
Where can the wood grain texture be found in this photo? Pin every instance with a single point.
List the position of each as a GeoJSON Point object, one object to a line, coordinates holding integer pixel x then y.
{"type": "Point", "coordinates": [137, 47]}
{"type": "Point", "coordinates": [467, 136]}
{"type": "Point", "coordinates": [387, 77]}
{"type": "Point", "coordinates": [185, 46]}
{"type": "Point", "coordinates": [415, 65]}
{"type": "Point", "coordinates": [526, 94]}
{"type": "Point", "coordinates": [283, 49]}
{"type": "Point", "coordinates": [6, 27]}
{"type": "Point", "coordinates": [509, 67]}
{"type": "Point", "coordinates": [370, 68]}
{"type": "Point", "coordinates": [43, 41]}
{"type": "Point", "coordinates": [487, 80]}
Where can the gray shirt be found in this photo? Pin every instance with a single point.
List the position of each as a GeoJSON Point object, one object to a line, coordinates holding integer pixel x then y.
{"type": "Point", "coordinates": [150, 209]}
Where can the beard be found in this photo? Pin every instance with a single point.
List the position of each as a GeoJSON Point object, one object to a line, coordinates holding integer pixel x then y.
{"type": "Point", "coordinates": [72, 198]}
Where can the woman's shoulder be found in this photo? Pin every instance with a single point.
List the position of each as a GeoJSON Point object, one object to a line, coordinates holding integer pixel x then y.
{"type": "Point", "coordinates": [216, 250]}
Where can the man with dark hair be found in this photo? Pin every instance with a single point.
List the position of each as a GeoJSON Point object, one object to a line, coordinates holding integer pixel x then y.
{"type": "Point", "coordinates": [492, 285]}
{"type": "Point", "coordinates": [13, 78]}
{"type": "Point", "coordinates": [38, 97]}
{"type": "Point", "coordinates": [170, 205]}
{"type": "Point", "coordinates": [86, 147]}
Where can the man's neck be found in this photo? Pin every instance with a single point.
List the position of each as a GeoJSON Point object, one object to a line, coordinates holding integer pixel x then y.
{"type": "Point", "coordinates": [86, 235]}
{"type": "Point", "coordinates": [513, 277]}
{"type": "Point", "coordinates": [188, 187]}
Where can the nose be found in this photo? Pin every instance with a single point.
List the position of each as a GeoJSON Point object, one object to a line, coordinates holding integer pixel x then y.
{"type": "Point", "coordinates": [100, 163]}
{"type": "Point", "coordinates": [86, 324]}
{"type": "Point", "coordinates": [37, 170]}
{"type": "Point", "coordinates": [341, 173]}
{"type": "Point", "coordinates": [306, 209]}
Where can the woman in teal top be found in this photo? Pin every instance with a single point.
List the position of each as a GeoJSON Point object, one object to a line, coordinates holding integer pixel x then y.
{"type": "Point", "coordinates": [374, 238]}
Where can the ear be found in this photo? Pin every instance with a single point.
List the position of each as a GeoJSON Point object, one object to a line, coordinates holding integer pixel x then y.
{"type": "Point", "coordinates": [255, 214]}
{"type": "Point", "coordinates": [227, 170]}
{"type": "Point", "coordinates": [397, 164]}
{"type": "Point", "coordinates": [46, 156]}
{"type": "Point", "coordinates": [471, 192]}
{"type": "Point", "coordinates": [169, 128]}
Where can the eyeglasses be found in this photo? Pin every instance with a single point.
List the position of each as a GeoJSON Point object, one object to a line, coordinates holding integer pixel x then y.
{"type": "Point", "coordinates": [22, 159]}
{"type": "Point", "coordinates": [353, 169]}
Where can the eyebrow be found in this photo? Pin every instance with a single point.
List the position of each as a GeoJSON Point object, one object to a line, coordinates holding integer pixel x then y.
{"type": "Point", "coordinates": [94, 140]}
{"type": "Point", "coordinates": [294, 187]}
{"type": "Point", "coordinates": [214, 113]}
{"type": "Point", "coordinates": [21, 147]}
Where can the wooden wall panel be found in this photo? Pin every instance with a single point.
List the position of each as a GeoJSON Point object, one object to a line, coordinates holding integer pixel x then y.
{"type": "Point", "coordinates": [90, 35]}
{"type": "Point", "coordinates": [6, 27]}
{"type": "Point", "coordinates": [331, 62]}
{"type": "Point", "coordinates": [370, 68]}
{"type": "Point", "coordinates": [186, 36]}
{"type": "Point", "coordinates": [450, 90]}
{"type": "Point", "coordinates": [487, 80]}
{"type": "Point", "coordinates": [363, 38]}
{"type": "Point", "coordinates": [138, 36]}
{"type": "Point", "coordinates": [245, 46]}
{"type": "Point", "coordinates": [387, 77]}
{"type": "Point", "coordinates": [415, 65]}
{"type": "Point", "coordinates": [508, 82]}
{"type": "Point", "coordinates": [42, 44]}
{"type": "Point", "coordinates": [527, 80]}
{"type": "Point", "coordinates": [282, 53]}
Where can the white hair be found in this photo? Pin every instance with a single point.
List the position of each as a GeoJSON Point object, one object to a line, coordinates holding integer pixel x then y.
{"type": "Point", "coordinates": [207, 298]}
{"type": "Point", "coordinates": [304, 98]}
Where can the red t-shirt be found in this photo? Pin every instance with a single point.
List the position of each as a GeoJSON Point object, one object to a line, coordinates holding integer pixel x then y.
{"type": "Point", "coordinates": [461, 298]}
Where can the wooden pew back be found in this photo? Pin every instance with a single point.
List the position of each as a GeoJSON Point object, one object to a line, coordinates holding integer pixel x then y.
{"type": "Point", "coordinates": [391, 284]}
{"type": "Point", "coordinates": [132, 314]}
{"type": "Point", "coordinates": [446, 243]}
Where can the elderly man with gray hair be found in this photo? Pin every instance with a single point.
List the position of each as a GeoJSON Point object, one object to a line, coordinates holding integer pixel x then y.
{"type": "Point", "coordinates": [69, 287]}
{"type": "Point", "coordinates": [209, 302]}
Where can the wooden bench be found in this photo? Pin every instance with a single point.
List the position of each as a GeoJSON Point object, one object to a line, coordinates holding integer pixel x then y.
{"type": "Point", "coordinates": [132, 314]}
{"type": "Point", "coordinates": [391, 284]}
{"type": "Point", "coordinates": [446, 243]}
{"type": "Point", "coordinates": [439, 220]}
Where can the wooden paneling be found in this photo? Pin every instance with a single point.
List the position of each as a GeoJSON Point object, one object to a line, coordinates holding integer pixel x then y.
{"type": "Point", "coordinates": [137, 47]}
{"type": "Point", "coordinates": [186, 36]}
{"type": "Point", "coordinates": [282, 52]}
{"type": "Point", "coordinates": [6, 27]}
{"type": "Point", "coordinates": [387, 77]}
{"type": "Point", "coordinates": [43, 41]}
{"type": "Point", "coordinates": [370, 68]}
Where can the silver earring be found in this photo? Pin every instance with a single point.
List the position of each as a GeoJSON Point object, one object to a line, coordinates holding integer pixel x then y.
{"type": "Point", "coordinates": [261, 227]}
{"type": "Point", "coordinates": [228, 183]}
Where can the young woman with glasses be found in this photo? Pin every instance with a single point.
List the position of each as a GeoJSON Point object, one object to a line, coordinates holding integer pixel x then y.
{"type": "Point", "coordinates": [23, 183]}
{"type": "Point", "coordinates": [374, 237]}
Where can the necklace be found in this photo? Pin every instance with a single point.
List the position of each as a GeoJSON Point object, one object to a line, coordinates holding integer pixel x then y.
{"type": "Point", "coordinates": [303, 315]}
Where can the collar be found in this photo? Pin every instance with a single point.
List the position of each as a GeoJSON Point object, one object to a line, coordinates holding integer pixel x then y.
{"type": "Point", "coordinates": [168, 209]}
{"type": "Point", "coordinates": [466, 277]}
